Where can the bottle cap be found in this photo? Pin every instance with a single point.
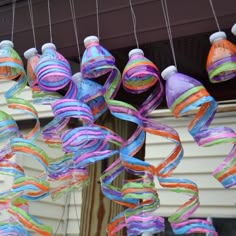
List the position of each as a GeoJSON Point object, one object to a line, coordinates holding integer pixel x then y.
{"type": "Point", "coordinates": [48, 45]}
{"type": "Point", "coordinates": [136, 51]}
{"type": "Point", "coordinates": [6, 43]}
{"type": "Point", "coordinates": [90, 39]}
{"type": "Point", "coordinates": [30, 52]}
{"type": "Point", "coordinates": [233, 29]}
{"type": "Point", "coordinates": [217, 36]}
{"type": "Point", "coordinates": [168, 71]}
{"type": "Point", "coordinates": [77, 76]}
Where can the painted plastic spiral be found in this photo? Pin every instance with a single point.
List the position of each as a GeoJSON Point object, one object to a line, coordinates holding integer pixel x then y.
{"type": "Point", "coordinates": [139, 196]}
{"type": "Point", "coordinates": [184, 94]}
{"type": "Point", "coordinates": [15, 199]}
{"type": "Point", "coordinates": [96, 62]}
{"type": "Point", "coordinates": [142, 71]}
{"type": "Point", "coordinates": [53, 73]}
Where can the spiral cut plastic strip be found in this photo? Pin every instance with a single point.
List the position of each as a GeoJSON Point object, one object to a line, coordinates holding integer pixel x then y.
{"type": "Point", "coordinates": [14, 201]}
{"type": "Point", "coordinates": [10, 226]}
{"type": "Point", "coordinates": [91, 93]}
{"type": "Point", "coordinates": [64, 176]}
{"type": "Point", "coordinates": [24, 187]}
{"type": "Point", "coordinates": [221, 60]}
{"type": "Point", "coordinates": [139, 69]}
{"type": "Point", "coordinates": [30, 188]}
{"type": "Point", "coordinates": [86, 145]}
{"type": "Point", "coordinates": [69, 172]}
{"type": "Point", "coordinates": [21, 221]}
{"type": "Point", "coordinates": [29, 221]}
{"type": "Point", "coordinates": [188, 95]}
{"type": "Point", "coordinates": [96, 62]}
{"type": "Point", "coordinates": [141, 75]}
{"type": "Point", "coordinates": [139, 195]}
{"type": "Point", "coordinates": [11, 67]}
{"type": "Point", "coordinates": [53, 73]}
{"type": "Point", "coordinates": [10, 168]}
{"type": "Point", "coordinates": [13, 229]}
{"type": "Point", "coordinates": [8, 129]}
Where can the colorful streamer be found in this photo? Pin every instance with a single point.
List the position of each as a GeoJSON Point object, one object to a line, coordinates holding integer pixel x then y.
{"type": "Point", "coordinates": [141, 71]}
{"type": "Point", "coordinates": [24, 188]}
{"type": "Point", "coordinates": [139, 196]}
{"type": "Point", "coordinates": [29, 221]}
{"type": "Point", "coordinates": [53, 73]}
{"type": "Point", "coordinates": [184, 94]}
{"type": "Point", "coordinates": [96, 62]}
{"type": "Point", "coordinates": [91, 93]}
{"type": "Point", "coordinates": [11, 67]}
{"type": "Point", "coordinates": [87, 96]}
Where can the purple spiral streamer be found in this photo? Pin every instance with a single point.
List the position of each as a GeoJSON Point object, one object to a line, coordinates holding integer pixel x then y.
{"type": "Point", "coordinates": [184, 94]}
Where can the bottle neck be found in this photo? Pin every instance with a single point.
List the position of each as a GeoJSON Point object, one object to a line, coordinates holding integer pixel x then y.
{"type": "Point", "coordinates": [90, 44]}
{"type": "Point", "coordinates": [217, 40]}
{"type": "Point", "coordinates": [135, 56]}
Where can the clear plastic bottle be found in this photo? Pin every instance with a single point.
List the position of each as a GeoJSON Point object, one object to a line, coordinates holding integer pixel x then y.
{"type": "Point", "coordinates": [11, 64]}
{"type": "Point", "coordinates": [39, 96]}
{"type": "Point", "coordinates": [94, 57]}
{"type": "Point", "coordinates": [32, 57]}
{"type": "Point", "coordinates": [221, 60]}
{"type": "Point", "coordinates": [53, 70]}
{"type": "Point", "coordinates": [139, 74]}
{"type": "Point", "coordinates": [179, 87]}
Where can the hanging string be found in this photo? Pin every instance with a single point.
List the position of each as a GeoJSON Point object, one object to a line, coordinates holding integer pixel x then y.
{"type": "Point", "coordinates": [13, 19]}
{"type": "Point", "coordinates": [98, 26]}
{"type": "Point", "coordinates": [76, 211]}
{"type": "Point", "coordinates": [72, 8]}
{"type": "Point", "coordinates": [134, 23]}
{"type": "Point", "coordinates": [32, 20]}
{"type": "Point", "coordinates": [49, 21]}
{"type": "Point", "coordinates": [63, 212]}
{"type": "Point", "coordinates": [214, 14]}
{"type": "Point", "coordinates": [167, 22]}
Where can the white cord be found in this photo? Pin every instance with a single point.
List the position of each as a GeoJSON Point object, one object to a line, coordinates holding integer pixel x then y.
{"type": "Point", "coordinates": [13, 19]}
{"type": "Point", "coordinates": [97, 15]}
{"type": "Point", "coordinates": [49, 21]}
{"type": "Point", "coordinates": [32, 20]}
{"type": "Point", "coordinates": [167, 21]}
{"type": "Point", "coordinates": [63, 212]}
{"type": "Point", "coordinates": [214, 14]}
{"type": "Point", "coordinates": [76, 211]}
{"type": "Point", "coordinates": [134, 23]}
{"type": "Point", "coordinates": [72, 8]}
